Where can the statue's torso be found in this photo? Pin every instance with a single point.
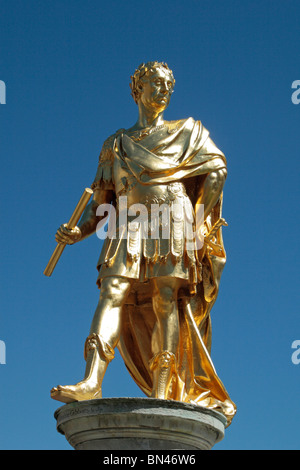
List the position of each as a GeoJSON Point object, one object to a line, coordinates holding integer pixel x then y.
{"type": "Point", "coordinates": [155, 239]}
{"type": "Point", "coordinates": [155, 169]}
{"type": "Point", "coordinates": [136, 193]}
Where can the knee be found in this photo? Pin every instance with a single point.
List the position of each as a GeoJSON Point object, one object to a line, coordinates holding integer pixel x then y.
{"type": "Point", "coordinates": [112, 290]}
{"type": "Point", "coordinates": [164, 300]}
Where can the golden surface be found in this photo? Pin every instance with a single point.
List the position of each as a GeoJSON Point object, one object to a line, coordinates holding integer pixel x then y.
{"type": "Point", "coordinates": [156, 292]}
{"type": "Point", "coordinates": [70, 225]}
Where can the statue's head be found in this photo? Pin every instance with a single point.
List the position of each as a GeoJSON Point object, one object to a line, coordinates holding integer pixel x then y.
{"type": "Point", "coordinates": [153, 79]}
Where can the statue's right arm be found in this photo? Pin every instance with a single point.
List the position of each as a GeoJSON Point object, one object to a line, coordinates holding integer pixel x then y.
{"type": "Point", "coordinates": [89, 219]}
{"type": "Point", "coordinates": [103, 188]}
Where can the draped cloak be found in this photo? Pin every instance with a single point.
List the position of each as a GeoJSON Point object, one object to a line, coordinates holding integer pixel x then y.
{"type": "Point", "coordinates": [180, 153]}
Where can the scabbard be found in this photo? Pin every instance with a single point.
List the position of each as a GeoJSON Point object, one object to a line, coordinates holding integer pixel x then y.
{"type": "Point", "coordinates": [71, 224]}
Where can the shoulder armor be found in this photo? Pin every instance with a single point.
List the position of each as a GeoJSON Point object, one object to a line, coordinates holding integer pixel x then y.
{"type": "Point", "coordinates": [106, 153]}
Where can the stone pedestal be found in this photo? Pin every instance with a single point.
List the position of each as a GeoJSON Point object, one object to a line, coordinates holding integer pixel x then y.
{"type": "Point", "coordinates": [139, 424]}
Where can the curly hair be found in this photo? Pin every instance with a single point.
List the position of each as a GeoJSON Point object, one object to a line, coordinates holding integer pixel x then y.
{"type": "Point", "coordinates": [144, 71]}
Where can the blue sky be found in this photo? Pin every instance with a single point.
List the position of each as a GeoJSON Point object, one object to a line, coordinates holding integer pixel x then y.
{"type": "Point", "coordinates": [66, 66]}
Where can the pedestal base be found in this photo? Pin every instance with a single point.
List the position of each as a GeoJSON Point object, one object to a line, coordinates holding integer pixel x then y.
{"type": "Point", "coordinates": [139, 424]}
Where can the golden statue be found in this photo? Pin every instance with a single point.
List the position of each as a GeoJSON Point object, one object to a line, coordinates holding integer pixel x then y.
{"type": "Point", "coordinates": [156, 292]}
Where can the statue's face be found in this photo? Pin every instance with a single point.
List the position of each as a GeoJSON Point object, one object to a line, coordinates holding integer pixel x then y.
{"type": "Point", "coordinates": [156, 90]}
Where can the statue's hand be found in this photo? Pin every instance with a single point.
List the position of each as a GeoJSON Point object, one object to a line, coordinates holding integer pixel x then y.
{"type": "Point", "coordinates": [68, 236]}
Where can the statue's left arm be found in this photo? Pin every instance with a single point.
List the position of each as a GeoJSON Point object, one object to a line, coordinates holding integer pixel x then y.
{"type": "Point", "coordinates": [209, 193]}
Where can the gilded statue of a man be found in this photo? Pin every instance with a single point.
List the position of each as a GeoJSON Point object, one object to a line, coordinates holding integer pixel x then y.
{"type": "Point", "coordinates": [156, 292]}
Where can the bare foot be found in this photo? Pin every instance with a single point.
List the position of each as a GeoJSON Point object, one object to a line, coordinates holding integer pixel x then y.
{"type": "Point", "coordinates": [85, 390]}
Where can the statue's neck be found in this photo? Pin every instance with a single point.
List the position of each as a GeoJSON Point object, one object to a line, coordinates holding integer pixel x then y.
{"type": "Point", "coordinates": [148, 118]}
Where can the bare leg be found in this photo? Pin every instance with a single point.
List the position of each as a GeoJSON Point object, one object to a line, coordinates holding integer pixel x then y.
{"type": "Point", "coordinates": [99, 348]}
{"type": "Point", "coordinates": [165, 308]}
{"type": "Point", "coordinates": [107, 318]}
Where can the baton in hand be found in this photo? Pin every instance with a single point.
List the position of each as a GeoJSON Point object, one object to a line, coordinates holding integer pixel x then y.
{"type": "Point", "coordinates": [71, 224]}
